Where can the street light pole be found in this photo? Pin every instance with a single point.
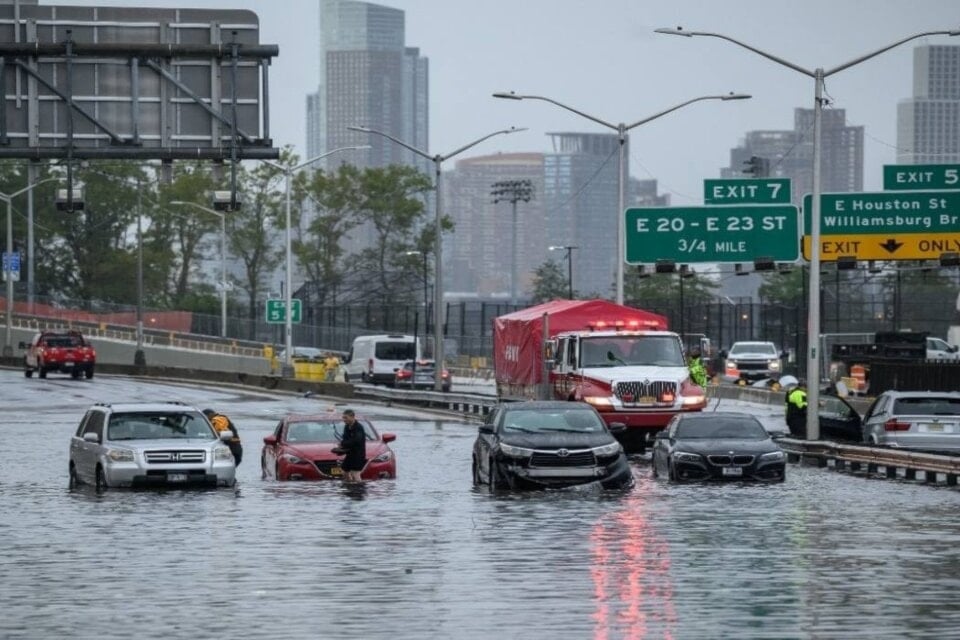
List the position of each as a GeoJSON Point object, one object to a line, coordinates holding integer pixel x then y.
{"type": "Point", "coordinates": [8, 198]}
{"type": "Point", "coordinates": [621, 129]}
{"type": "Point", "coordinates": [818, 75]}
{"type": "Point", "coordinates": [288, 172]}
{"type": "Point", "coordinates": [223, 259]}
{"type": "Point", "coordinates": [438, 250]}
{"type": "Point", "coordinates": [139, 358]}
{"type": "Point", "coordinates": [426, 299]}
{"type": "Point", "coordinates": [569, 249]}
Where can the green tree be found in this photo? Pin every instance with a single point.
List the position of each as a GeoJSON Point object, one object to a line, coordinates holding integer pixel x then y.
{"type": "Point", "coordinates": [549, 282]}
{"type": "Point", "coordinates": [663, 290]}
{"type": "Point", "coordinates": [786, 288]}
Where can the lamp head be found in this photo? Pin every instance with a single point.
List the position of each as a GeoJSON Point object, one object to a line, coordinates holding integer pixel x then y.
{"type": "Point", "coordinates": [673, 32]}
{"type": "Point", "coordinates": [358, 128]}
{"type": "Point", "coordinates": [507, 95]}
{"type": "Point", "coordinates": [736, 96]}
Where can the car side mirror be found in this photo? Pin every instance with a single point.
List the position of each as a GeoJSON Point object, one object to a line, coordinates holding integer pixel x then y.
{"type": "Point", "coordinates": [952, 349]}
{"type": "Point", "coordinates": [617, 427]}
{"type": "Point", "coordinates": [270, 440]}
{"type": "Point", "coordinates": [662, 435]}
{"type": "Point", "coordinates": [90, 436]}
{"type": "Point", "coordinates": [388, 437]}
{"type": "Point", "coordinates": [486, 428]}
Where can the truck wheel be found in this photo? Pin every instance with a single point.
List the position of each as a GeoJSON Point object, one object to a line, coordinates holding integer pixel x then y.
{"type": "Point", "coordinates": [89, 373]}
{"type": "Point", "coordinates": [41, 372]}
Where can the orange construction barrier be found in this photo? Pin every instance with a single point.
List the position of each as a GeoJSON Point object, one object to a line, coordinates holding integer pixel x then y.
{"type": "Point", "coordinates": [859, 373]}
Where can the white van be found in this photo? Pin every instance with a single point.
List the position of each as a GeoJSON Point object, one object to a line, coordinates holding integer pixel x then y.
{"type": "Point", "coordinates": [376, 358]}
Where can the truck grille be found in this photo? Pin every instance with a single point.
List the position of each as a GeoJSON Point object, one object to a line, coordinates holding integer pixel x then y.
{"type": "Point", "coordinates": [727, 460]}
{"type": "Point", "coordinates": [755, 365]}
{"type": "Point", "coordinates": [174, 457]}
{"type": "Point", "coordinates": [645, 392]}
{"type": "Point", "coordinates": [583, 458]}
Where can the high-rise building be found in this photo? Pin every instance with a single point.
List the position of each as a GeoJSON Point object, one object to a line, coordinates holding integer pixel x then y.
{"type": "Point", "coordinates": [928, 124]}
{"type": "Point", "coordinates": [789, 154]}
{"type": "Point", "coordinates": [368, 77]}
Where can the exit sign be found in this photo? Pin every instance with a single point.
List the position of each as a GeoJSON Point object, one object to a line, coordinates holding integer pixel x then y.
{"type": "Point", "coordinates": [747, 191]}
{"type": "Point", "coordinates": [913, 177]}
{"type": "Point", "coordinates": [276, 311]}
{"type": "Point", "coordinates": [712, 234]}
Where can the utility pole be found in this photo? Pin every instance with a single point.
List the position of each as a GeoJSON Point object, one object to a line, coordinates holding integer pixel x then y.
{"type": "Point", "coordinates": [513, 191]}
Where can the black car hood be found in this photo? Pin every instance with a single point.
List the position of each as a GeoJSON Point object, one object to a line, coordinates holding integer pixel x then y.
{"type": "Point", "coordinates": [723, 446]}
{"type": "Point", "coordinates": [557, 440]}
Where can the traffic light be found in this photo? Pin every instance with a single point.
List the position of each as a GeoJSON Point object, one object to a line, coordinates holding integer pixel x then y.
{"type": "Point", "coordinates": [757, 167]}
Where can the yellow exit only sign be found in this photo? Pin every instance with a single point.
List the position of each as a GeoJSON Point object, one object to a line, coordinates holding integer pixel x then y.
{"type": "Point", "coordinates": [869, 246]}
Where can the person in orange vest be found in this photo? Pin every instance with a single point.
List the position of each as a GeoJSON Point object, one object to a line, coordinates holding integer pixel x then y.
{"type": "Point", "coordinates": [222, 423]}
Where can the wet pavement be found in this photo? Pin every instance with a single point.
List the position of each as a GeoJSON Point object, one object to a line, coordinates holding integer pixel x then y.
{"type": "Point", "coordinates": [823, 555]}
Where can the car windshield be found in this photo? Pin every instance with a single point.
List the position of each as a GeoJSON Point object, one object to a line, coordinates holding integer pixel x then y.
{"type": "Point", "coordinates": [322, 431]}
{"type": "Point", "coordinates": [933, 406]}
{"type": "Point", "coordinates": [745, 428]}
{"type": "Point", "coordinates": [627, 350]}
{"type": "Point", "coordinates": [539, 421]}
{"type": "Point", "coordinates": [159, 426]}
{"type": "Point", "coordinates": [753, 347]}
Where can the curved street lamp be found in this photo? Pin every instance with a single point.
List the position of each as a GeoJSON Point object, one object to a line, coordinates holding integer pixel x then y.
{"type": "Point", "coordinates": [437, 271]}
{"type": "Point", "coordinates": [818, 75]}
{"type": "Point", "coordinates": [288, 172]}
{"type": "Point", "coordinates": [621, 130]}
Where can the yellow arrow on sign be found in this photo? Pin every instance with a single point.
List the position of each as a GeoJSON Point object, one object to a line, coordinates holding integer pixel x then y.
{"type": "Point", "coordinates": [869, 246]}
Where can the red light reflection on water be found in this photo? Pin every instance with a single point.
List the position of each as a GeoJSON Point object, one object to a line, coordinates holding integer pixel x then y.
{"type": "Point", "coordinates": [632, 586]}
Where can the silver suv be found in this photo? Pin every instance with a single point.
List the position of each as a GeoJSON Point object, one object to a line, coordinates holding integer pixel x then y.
{"type": "Point", "coordinates": [149, 444]}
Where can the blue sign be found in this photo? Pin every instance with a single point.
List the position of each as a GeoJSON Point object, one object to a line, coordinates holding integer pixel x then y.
{"type": "Point", "coordinates": [13, 260]}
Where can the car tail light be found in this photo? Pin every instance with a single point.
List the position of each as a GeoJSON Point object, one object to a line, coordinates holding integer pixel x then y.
{"type": "Point", "coordinates": [403, 373]}
{"type": "Point", "coordinates": [445, 374]}
{"type": "Point", "coordinates": [895, 425]}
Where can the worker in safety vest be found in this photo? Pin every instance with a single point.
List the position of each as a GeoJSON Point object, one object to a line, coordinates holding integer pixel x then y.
{"type": "Point", "coordinates": [698, 372]}
{"type": "Point", "coordinates": [222, 423]}
{"type": "Point", "coordinates": [796, 405]}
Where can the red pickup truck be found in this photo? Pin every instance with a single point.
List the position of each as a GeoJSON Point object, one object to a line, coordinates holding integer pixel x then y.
{"type": "Point", "coordinates": [65, 351]}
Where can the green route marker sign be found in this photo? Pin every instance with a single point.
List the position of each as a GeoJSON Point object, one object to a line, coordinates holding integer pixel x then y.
{"type": "Point", "coordinates": [910, 177]}
{"type": "Point", "coordinates": [712, 234]}
{"type": "Point", "coordinates": [747, 191]}
{"type": "Point", "coordinates": [276, 311]}
{"type": "Point", "coordinates": [886, 213]}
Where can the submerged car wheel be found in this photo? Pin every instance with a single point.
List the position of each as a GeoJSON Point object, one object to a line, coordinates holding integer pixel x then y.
{"type": "Point", "coordinates": [496, 480]}
{"type": "Point", "coordinates": [75, 480]}
{"type": "Point", "coordinates": [28, 373]}
{"type": "Point", "coordinates": [101, 479]}
{"type": "Point", "coordinates": [477, 480]}
{"type": "Point", "coordinates": [671, 474]}
{"type": "Point", "coordinates": [42, 372]}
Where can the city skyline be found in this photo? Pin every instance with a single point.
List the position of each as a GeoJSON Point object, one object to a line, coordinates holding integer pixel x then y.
{"type": "Point", "coordinates": [609, 63]}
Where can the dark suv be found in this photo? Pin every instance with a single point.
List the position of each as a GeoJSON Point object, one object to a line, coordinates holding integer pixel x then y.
{"type": "Point", "coordinates": [542, 444]}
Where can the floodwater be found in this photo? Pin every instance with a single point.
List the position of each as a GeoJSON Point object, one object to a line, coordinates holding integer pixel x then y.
{"type": "Point", "coordinates": [822, 555]}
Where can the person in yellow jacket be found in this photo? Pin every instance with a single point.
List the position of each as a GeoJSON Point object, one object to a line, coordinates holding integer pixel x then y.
{"type": "Point", "coordinates": [796, 405]}
{"type": "Point", "coordinates": [698, 372]}
{"type": "Point", "coordinates": [222, 423]}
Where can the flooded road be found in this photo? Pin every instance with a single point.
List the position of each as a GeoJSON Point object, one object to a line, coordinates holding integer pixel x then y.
{"type": "Point", "coordinates": [823, 555]}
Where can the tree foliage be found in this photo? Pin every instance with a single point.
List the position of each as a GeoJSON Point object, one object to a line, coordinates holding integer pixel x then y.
{"type": "Point", "coordinates": [550, 282]}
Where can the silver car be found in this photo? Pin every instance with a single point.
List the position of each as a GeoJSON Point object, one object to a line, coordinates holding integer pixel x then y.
{"type": "Point", "coordinates": [149, 444]}
{"type": "Point", "coordinates": [928, 420]}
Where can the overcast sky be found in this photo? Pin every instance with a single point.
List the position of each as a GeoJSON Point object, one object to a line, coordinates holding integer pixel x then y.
{"type": "Point", "coordinates": [602, 57]}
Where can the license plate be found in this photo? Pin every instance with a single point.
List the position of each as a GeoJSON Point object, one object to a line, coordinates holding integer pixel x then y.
{"type": "Point", "coordinates": [176, 477]}
{"type": "Point", "coordinates": [68, 363]}
{"type": "Point", "coordinates": [732, 471]}
{"type": "Point", "coordinates": [646, 400]}
{"type": "Point", "coordinates": [934, 427]}
{"type": "Point", "coordinates": [336, 471]}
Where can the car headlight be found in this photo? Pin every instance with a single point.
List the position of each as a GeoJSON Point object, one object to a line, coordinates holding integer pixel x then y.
{"type": "Point", "coordinates": [292, 459]}
{"type": "Point", "coordinates": [600, 402]}
{"type": "Point", "coordinates": [683, 456]}
{"type": "Point", "coordinates": [120, 455]}
{"type": "Point", "coordinates": [515, 452]}
{"type": "Point", "coordinates": [773, 456]}
{"type": "Point", "coordinates": [691, 400]}
{"type": "Point", "coordinates": [386, 456]}
{"type": "Point", "coordinates": [611, 449]}
{"type": "Point", "coordinates": [731, 364]}
{"type": "Point", "coordinates": [774, 365]}
{"type": "Point", "coordinates": [222, 453]}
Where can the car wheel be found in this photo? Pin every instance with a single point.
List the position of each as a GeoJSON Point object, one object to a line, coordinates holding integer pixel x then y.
{"type": "Point", "coordinates": [75, 480]}
{"type": "Point", "coordinates": [671, 474]}
{"type": "Point", "coordinates": [28, 373]}
{"type": "Point", "coordinates": [101, 479]}
{"type": "Point", "coordinates": [496, 479]}
{"type": "Point", "coordinates": [75, 374]}
{"type": "Point", "coordinates": [41, 372]}
{"type": "Point", "coordinates": [89, 373]}
{"type": "Point", "coordinates": [477, 480]}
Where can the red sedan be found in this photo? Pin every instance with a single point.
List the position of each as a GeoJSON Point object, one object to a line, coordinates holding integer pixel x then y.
{"type": "Point", "coordinates": [300, 448]}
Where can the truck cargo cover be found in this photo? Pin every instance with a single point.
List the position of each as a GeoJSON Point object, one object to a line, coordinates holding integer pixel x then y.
{"type": "Point", "coordinates": [517, 336]}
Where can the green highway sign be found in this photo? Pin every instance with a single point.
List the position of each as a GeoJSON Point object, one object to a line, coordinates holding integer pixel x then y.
{"type": "Point", "coordinates": [886, 213]}
{"type": "Point", "coordinates": [712, 234]}
{"type": "Point", "coordinates": [910, 177]}
{"type": "Point", "coordinates": [276, 308]}
{"type": "Point", "coordinates": [747, 191]}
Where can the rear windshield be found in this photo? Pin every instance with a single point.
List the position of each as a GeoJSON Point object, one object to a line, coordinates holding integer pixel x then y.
{"type": "Point", "coordinates": [927, 406]}
{"type": "Point", "coordinates": [395, 351]}
{"type": "Point", "coordinates": [727, 428]}
{"type": "Point", "coordinates": [63, 341]}
{"type": "Point", "coordinates": [322, 431]}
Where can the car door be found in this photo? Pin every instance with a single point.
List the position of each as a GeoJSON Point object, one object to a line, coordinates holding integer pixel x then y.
{"type": "Point", "coordinates": [661, 446]}
{"type": "Point", "coordinates": [937, 349]}
{"type": "Point", "coordinates": [875, 417]}
{"type": "Point", "coordinates": [89, 452]}
{"type": "Point", "coordinates": [271, 451]}
{"type": "Point", "coordinates": [839, 419]}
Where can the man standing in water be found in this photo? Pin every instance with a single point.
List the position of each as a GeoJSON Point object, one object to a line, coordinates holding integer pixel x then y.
{"type": "Point", "coordinates": [354, 446]}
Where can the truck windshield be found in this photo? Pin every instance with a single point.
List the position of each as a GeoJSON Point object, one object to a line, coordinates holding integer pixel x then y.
{"type": "Point", "coordinates": [627, 350]}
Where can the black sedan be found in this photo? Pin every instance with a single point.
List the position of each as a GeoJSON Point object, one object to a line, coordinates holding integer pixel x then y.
{"type": "Point", "coordinates": [543, 444]}
{"type": "Point", "coordinates": [717, 445]}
